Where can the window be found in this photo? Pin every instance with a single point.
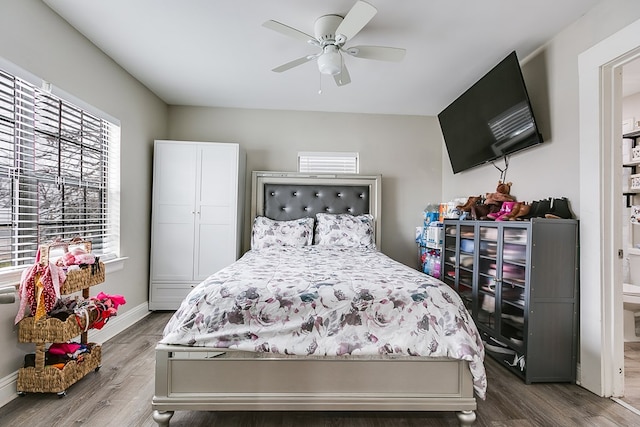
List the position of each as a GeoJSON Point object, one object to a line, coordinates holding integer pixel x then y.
{"type": "Point", "coordinates": [58, 173]}
{"type": "Point", "coordinates": [328, 162]}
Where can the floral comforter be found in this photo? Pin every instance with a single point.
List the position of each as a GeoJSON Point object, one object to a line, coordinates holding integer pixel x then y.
{"type": "Point", "coordinates": [328, 301]}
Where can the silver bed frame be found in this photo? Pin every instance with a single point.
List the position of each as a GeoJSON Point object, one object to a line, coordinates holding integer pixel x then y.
{"type": "Point", "coordinates": [207, 379]}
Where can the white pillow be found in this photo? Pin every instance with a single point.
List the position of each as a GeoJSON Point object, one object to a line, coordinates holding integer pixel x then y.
{"type": "Point", "coordinates": [344, 230]}
{"type": "Point", "coordinates": [267, 232]}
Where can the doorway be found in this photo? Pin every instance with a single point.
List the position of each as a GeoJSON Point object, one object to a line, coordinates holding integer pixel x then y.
{"type": "Point", "coordinates": [601, 334]}
{"type": "Point", "coordinates": [630, 109]}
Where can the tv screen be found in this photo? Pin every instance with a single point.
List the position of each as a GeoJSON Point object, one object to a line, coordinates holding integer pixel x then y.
{"type": "Point", "coordinates": [492, 119]}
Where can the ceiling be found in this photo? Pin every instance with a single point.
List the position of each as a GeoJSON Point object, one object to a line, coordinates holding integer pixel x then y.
{"type": "Point", "coordinates": [217, 53]}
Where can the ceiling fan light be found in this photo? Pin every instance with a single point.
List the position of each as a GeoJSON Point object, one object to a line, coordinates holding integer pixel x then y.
{"type": "Point", "coordinates": [330, 62]}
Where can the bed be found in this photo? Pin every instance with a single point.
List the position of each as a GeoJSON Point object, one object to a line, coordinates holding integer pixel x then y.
{"type": "Point", "coordinates": [263, 364]}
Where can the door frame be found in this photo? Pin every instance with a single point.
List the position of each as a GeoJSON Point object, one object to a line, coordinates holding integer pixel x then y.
{"type": "Point", "coordinates": [601, 316]}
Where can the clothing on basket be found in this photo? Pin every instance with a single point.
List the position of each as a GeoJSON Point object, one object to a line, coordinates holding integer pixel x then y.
{"type": "Point", "coordinates": [39, 288]}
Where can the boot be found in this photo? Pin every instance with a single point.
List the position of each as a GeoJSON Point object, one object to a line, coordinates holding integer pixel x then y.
{"type": "Point", "coordinates": [505, 211]}
{"type": "Point", "coordinates": [522, 212]}
{"type": "Point", "coordinates": [560, 209]}
{"type": "Point", "coordinates": [511, 216]}
{"type": "Point", "coordinates": [493, 210]}
{"type": "Point", "coordinates": [471, 201]}
{"type": "Point", "coordinates": [481, 212]}
{"type": "Point", "coordinates": [529, 212]}
{"type": "Point", "coordinates": [542, 208]}
{"type": "Point", "coordinates": [494, 213]}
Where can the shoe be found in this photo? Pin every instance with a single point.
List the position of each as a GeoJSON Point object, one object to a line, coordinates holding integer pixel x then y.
{"type": "Point", "coordinates": [497, 347]}
{"type": "Point", "coordinates": [516, 319]}
{"type": "Point", "coordinates": [542, 208]}
{"type": "Point", "coordinates": [522, 212]}
{"type": "Point", "coordinates": [477, 211]}
{"type": "Point", "coordinates": [481, 212]}
{"type": "Point", "coordinates": [518, 361]}
{"type": "Point", "coordinates": [532, 208]}
{"type": "Point", "coordinates": [511, 215]}
{"type": "Point", "coordinates": [507, 209]}
{"type": "Point", "coordinates": [560, 209]}
{"type": "Point", "coordinates": [471, 201]}
{"type": "Point", "coordinates": [517, 341]}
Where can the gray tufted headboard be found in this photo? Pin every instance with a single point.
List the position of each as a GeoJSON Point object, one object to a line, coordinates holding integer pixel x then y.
{"type": "Point", "coordinates": [290, 195]}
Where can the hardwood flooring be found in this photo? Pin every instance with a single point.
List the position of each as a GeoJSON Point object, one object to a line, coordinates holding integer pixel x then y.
{"type": "Point", "coordinates": [119, 394]}
{"type": "Point", "coordinates": [632, 374]}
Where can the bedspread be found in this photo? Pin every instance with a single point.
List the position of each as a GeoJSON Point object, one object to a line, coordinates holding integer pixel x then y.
{"type": "Point", "coordinates": [328, 301]}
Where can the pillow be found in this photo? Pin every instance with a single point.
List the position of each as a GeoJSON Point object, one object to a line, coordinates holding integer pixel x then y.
{"type": "Point", "coordinates": [344, 230]}
{"type": "Point", "coordinates": [268, 232]}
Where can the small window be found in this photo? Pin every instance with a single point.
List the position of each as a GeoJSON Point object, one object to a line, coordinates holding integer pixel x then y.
{"type": "Point", "coordinates": [328, 162]}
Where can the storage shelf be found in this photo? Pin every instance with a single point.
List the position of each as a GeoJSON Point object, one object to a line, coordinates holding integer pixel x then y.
{"type": "Point", "coordinates": [50, 379]}
{"type": "Point", "coordinates": [522, 312]}
{"type": "Point", "coordinates": [43, 378]}
{"type": "Point", "coordinates": [629, 193]}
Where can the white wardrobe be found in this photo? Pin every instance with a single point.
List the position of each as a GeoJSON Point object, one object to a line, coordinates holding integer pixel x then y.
{"type": "Point", "coordinates": [198, 194]}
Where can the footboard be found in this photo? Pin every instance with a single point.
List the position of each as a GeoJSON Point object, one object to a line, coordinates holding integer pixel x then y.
{"type": "Point", "coordinates": [202, 379]}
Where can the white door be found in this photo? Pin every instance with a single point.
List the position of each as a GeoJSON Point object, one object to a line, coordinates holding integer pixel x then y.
{"type": "Point", "coordinates": [216, 213]}
{"type": "Point", "coordinates": [174, 185]}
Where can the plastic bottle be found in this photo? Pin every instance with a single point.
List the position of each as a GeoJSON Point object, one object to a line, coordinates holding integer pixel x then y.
{"type": "Point", "coordinates": [436, 267]}
{"type": "Point", "coordinates": [432, 261]}
{"type": "Point", "coordinates": [425, 266]}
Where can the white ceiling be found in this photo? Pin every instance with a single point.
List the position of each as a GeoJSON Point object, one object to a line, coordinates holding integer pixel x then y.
{"type": "Point", "coordinates": [217, 53]}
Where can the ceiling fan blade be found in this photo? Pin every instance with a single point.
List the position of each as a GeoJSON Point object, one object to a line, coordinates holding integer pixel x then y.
{"type": "Point", "coordinates": [359, 15]}
{"type": "Point", "coordinates": [289, 31]}
{"type": "Point", "coordinates": [381, 53]}
{"type": "Point", "coordinates": [294, 63]}
{"type": "Point", "coordinates": [343, 78]}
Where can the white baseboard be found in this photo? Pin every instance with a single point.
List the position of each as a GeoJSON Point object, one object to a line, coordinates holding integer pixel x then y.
{"type": "Point", "coordinates": [8, 388]}
{"type": "Point", "coordinates": [114, 326]}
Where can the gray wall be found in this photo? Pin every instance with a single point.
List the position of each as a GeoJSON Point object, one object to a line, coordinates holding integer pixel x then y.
{"type": "Point", "coordinates": [50, 49]}
{"type": "Point", "coordinates": [551, 74]}
{"type": "Point", "coordinates": [406, 150]}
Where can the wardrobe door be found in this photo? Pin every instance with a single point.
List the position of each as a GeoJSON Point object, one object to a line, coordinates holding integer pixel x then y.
{"type": "Point", "coordinates": [216, 209]}
{"type": "Point", "coordinates": [174, 184]}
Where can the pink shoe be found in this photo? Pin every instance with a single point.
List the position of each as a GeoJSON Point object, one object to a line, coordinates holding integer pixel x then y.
{"type": "Point", "coordinates": [506, 209]}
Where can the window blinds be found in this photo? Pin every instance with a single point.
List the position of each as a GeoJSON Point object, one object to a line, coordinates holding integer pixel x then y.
{"type": "Point", "coordinates": [54, 173]}
{"type": "Point", "coordinates": [328, 162]}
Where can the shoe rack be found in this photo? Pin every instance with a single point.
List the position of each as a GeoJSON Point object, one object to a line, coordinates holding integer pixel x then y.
{"type": "Point", "coordinates": [519, 280]}
{"type": "Point", "coordinates": [631, 160]}
{"type": "Point", "coordinates": [631, 185]}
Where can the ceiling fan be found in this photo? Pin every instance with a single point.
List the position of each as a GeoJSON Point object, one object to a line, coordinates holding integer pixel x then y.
{"type": "Point", "coordinates": [332, 32]}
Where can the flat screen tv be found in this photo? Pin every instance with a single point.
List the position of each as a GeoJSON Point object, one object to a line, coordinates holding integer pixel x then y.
{"type": "Point", "coordinates": [492, 119]}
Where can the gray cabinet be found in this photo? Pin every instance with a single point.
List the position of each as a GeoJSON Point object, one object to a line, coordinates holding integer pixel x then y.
{"type": "Point", "coordinates": [519, 279]}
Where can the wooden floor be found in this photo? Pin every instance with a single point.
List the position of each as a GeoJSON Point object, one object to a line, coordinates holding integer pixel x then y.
{"type": "Point", "coordinates": [632, 374]}
{"type": "Point", "coordinates": [119, 394]}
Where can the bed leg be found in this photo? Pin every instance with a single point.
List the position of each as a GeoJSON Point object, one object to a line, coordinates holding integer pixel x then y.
{"type": "Point", "coordinates": [466, 418]}
{"type": "Point", "coordinates": [162, 418]}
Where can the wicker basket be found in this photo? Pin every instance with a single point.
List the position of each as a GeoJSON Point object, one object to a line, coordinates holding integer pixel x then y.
{"type": "Point", "coordinates": [48, 329]}
{"type": "Point", "coordinates": [83, 278]}
{"type": "Point", "coordinates": [76, 279]}
{"type": "Point", "coordinates": [49, 379]}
